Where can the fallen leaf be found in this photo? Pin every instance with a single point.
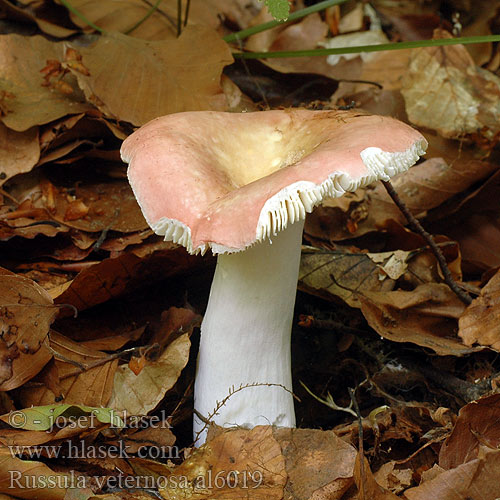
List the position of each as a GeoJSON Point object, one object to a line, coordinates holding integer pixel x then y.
{"type": "Point", "coordinates": [475, 427]}
{"type": "Point", "coordinates": [426, 316]}
{"type": "Point", "coordinates": [29, 479]}
{"type": "Point", "coordinates": [444, 90]}
{"type": "Point", "coordinates": [112, 277]}
{"type": "Point", "coordinates": [480, 322]}
{"type": "Point", "coordinates": [319, 464]}
{"type": "Point", "coordinates": [29, 102]}
{"type": "Point", "coordinates": [26, 313]}
{"type": "Point", "coordinates": [248, 465]}
{"type": "Point", "coordinates": [343, 274]}
{"type": "Point", "coordinates": [37, 14]}
{"type": "Point", "coordinates": [135, 80]}
{"type": "Point", "coordinates": [424, 187]}
{"type": "Point", "coordinates": [368, 487]}
{"type": "Point", "coordinates": [125, 17]}
{"type": "Point", "coordinates": [476, 479]}
{"type": "Point", "coordinates": [85, 376]}
{"type": "Point", "coordinates": [19, 151]}
{"type": "Point", "coordinates": [139, 394]}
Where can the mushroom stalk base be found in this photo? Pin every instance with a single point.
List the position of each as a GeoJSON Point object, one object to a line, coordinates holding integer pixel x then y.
{"type": "Point", "coordinates": [245, 337]}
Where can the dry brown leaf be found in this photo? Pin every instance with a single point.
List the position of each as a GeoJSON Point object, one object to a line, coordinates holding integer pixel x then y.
{"type": "Point", "coordinates": [393, 478]}
{"type": "Point", "coordinates": [29, 479]}
{"type": "Point", "coordinates": [26, 313]}
{"type": "Point", "coordinates": [368, 487]}
{"type": "Point", "coordinates": [36, 15]}
{"type": "Point", "coordinates": [135, 80]}
{"type": "Point", "coordinates": [477, 479]}
{"type": "Point", "coordinates": [87, 385]}
{"type": "Point", "coordinates": [426, 316]}
{"type": "Point", "coordinates": [92, 204]}
{"type": "Point", "coordinates": [172, 322]}
{"type": "Point", "coordinates": [475, 226]}
{"type": "Point", "coordinates": [139, 394]}
{"type": "Point", "coordinates": [19, 151]}
{"type": "Point", "coordinates": [476, 426]}
{"type": "Point", "coordinates": [444, 90]}
{"type": "Point", "coordinates": [480, 323]}
{"type": "Point", "coordinates": [123, 16]}
{"type": "Point", "coordinates": [24, 100]}
{"type": "Point", "coordinates": [341, 273]}
{"type": "Point", "coordinates": [114, 276]}
{"type": "Point", "coordinates": [248, 465]}
{"type": "Point", "coordinates": [422, 188]}
{"type": "Point", "coordinates": [319, 464]}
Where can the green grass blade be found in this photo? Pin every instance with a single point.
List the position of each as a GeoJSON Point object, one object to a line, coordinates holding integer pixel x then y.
{"type": "Point", "coordinates": [81, 16]}
{"type": "Point", "coordinates": [368, 48]}
{"type": "Point", "coordinates": [241, 35]}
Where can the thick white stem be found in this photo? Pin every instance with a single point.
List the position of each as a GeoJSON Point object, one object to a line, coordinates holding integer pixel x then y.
{"type": "Point", "coordinates": [245, 336]}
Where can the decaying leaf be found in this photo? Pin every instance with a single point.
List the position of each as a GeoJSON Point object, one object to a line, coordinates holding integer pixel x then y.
{"type": "Point", "coordinates": [368, 487]}
{"type": "Point", "coordinates": [102, 281]}
{"type": "Point", "coordinates": [343, 274]}
{"type": "Point", "coordinates": [125, 17]}
{"type": "Point", "coordinates": [79, 375]}
{"type": "Point", "coordinates": [475, 479]}
{"type": "Point", "coordinates": [248, 465]}
{"type": "Point", "coordinates": [475, 427]}
{"type": "Point", "coordinates": [319, 464]}
{"type": "Point", "coordinates": [422, 188]}
{"type": "Point", "coordinates": [19, 151]}
{"type": "Point", "coordinates": [154, 78]}
{"type": "Point", "coordinates": [29, 479]}
{"type": "Point", "coordinates": [26, 312]}
{"type": "Point", "coordinates": [426, 316]}
{"type": "Point", "coordinates": [480, 323]}
{"type": "Point", "coordinates": [444, 90]}
{"type": "Point", "coordinates": [139, 394]}
{"type": "Point", "coordinates": [25, 100]}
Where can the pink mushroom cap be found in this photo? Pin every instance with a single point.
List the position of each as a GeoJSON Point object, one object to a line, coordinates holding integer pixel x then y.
{"type": "Point", "coordinates": [226, 181]}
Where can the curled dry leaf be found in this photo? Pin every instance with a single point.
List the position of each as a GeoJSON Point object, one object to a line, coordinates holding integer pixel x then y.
{"type": "Point", "coordinates": [368, 487]}
{"type": "Point", "coordinates": [475, 427]}
{"type": "Point", "coordinates": [341, 273]}
{"type": "Point", "coordinates": [475, 479]}
{"type": "Point", "coordinates": [318, 463]}
{"type": "Point", "coordinates": [135, 80]}
{"type": "Point", "coordinates": [139, 394]}
{"type": "Point", "coordinates": [248, 463]}
{"type": "Point", "coordinates": [444, 90]}
{"type": "Point", "coordinates": [112, 277]}
{"type": "Point", "coordinates": [19, 151]}
{"type": "Point", "coordinates": [25, 100]}
{"type": "Point", "coordinates": [122, 17]}
{"type": "Point", "coordinates": [422, 188]}
{"type": "Point", "coordinates": [426, 316]}
{"type": "Point", "coordinates": [480, 323]}
{"type": "Point", "coordinates": [36, 14]}
{"type": "Point", "coordinates": [78, 376]}
{"type": "Point", "coordinates": [93, 205]}
{"type": "Point", "coordinates": [27, 479]}
{"type": "Point", "coordinates": [26, 313]}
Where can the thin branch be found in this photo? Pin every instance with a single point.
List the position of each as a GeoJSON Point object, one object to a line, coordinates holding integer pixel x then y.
{"type": "Point", "coordinates": [448, 278]}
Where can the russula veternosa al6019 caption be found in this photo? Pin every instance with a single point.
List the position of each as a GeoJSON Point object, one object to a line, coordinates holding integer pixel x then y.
{"type": "Point", "coordinates": [241, 185]}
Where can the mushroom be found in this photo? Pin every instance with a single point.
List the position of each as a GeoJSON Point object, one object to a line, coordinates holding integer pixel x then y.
{"type": "Point", "coordinates": [241, 185]}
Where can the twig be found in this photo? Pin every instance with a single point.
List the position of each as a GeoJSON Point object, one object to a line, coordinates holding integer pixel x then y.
{"type": "Point", "coordinates": [361, 453]}
{"type": "Point", "coordinates": [448, 278]}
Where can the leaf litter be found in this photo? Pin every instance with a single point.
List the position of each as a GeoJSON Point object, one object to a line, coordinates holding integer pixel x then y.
{"type": "Point", "coordinates": [72, 236]}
